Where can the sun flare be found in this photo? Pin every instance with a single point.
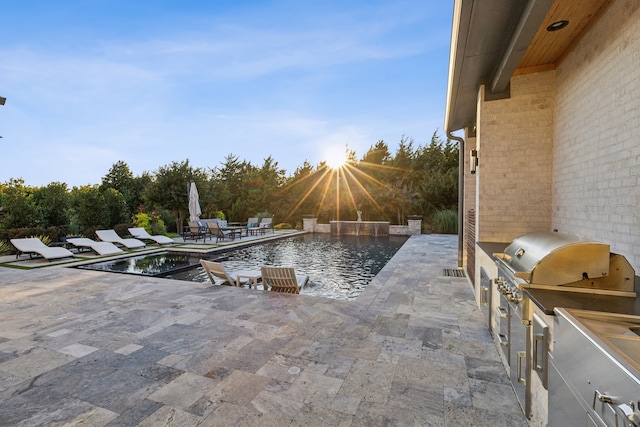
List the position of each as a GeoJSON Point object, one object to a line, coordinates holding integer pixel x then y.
{"type": "Point", "coordinates": [336, 158]}
{"type": "Point", "coordinates": [336, 162]}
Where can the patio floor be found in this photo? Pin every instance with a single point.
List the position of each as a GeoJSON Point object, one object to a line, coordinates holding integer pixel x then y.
{"type": "Point", "coordinates": [89, 348]}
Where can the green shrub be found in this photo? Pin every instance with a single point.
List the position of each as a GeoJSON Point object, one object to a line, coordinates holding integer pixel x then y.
{"type": "Point", "coordinates": [123, 229]}
{"type": "Point", "coordinates": [150, 222]}
{"type": "Point", "coordinates": [45, 238]}
{"type": "Point", "coordinates": [5, 248]}
{"type": "Point", "coordinates": [445, 222]}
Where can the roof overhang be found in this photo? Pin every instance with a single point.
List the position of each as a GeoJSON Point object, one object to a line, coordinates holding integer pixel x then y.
{"type": "Point", "coordinates": [492, 40]}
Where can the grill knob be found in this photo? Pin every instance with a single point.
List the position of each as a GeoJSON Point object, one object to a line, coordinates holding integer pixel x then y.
{"type": "Point", "coordinates": [514, 297]}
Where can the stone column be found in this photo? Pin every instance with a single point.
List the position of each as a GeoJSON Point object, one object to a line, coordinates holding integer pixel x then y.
{"type": "Point", "coordinates": [415, 226]}
{"type": "Point", "coordinates": [309, 224]}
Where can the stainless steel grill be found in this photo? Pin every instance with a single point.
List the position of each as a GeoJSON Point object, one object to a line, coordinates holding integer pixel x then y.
{"type": "Point", "coordinates": [553, 259]}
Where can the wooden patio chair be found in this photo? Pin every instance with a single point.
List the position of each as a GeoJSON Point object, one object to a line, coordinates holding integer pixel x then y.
{"type": "Point", "coordinates": [236, 278]}
{"type": "Point", "coordinates": [283, 279]}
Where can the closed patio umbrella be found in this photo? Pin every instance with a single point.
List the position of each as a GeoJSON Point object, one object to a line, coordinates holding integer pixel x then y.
{"type": "Point", "coordinates": [194, 203]}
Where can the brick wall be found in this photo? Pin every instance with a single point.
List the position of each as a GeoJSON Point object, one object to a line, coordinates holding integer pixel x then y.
{"type": "Point", "coordinates": [514, 140]}
{"type": "Point", "coordinates": [596, 169]}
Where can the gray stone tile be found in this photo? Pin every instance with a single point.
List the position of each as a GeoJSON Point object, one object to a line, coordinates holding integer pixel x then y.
{"type": "Point", "coordinates": [118, 391]}
{"type": "Point", "coordinates": [136, 414]}
{"type": "Point", "coordinates": [229, 414]}
{"type": "Point", "coordinates": [369, 381]}
{"type": "Point", "coordinates": [380, 414]}
{"type": "Point", "coordinates": [166, 415]}
{"type": "Point", "coordinates": [313, 416]}
{"type": "Point", "coordinates": [456, 415]}
{"type": "Point", "coordinates": [184, 391]}
{"type": "Point", "coordinates": [34, 363]}
{"type": "Point", "coordinates": [431, 338]}
{"type": "Point", "coordinates": [493, 396]}
{"type": "Point", "coordinates": [238, 388]}
{"type": "Point", "coordinates": [486, 370]}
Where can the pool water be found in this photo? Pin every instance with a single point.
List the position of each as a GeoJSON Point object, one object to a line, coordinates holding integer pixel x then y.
{"type": "Point", "coordinates": [338, 267]}
{"type": "Point", "coordinates": [147, 265]}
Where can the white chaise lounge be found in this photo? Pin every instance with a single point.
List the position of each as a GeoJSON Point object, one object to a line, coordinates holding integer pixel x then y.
{"type": "Point", "coordinates": [101, 248]}
{"type": "Point", "coordinates": [33, 245]}
{"type": "Point", "coordinates": [141, 233]}
{"type": "Point", "coordinates": [112, 236]}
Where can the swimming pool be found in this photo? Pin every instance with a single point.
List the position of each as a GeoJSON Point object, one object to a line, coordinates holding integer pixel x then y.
{"type": "Point", "coordinates": [159, 264]}
{"type": "Point", "coordinates": [338, 267]}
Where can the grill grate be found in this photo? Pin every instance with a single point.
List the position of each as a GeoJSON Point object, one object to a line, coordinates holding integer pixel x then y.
{"type": "Point", "coordinates": [453, 272]}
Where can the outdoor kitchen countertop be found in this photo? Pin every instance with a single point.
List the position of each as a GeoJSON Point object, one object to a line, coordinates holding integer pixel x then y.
{"type": "Point", "coordinates": [492, 247]}
{"type": "Point", "coordinates": [548, 300]}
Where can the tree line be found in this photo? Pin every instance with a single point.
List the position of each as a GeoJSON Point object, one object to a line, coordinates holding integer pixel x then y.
{"type": "Point", "coordinates": [415, 180]}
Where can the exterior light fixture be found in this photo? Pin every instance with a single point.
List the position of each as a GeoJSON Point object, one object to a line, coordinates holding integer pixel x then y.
{"type": "Point", "coordinates": [473, 161]}
{"type": "Point", "coordinates": [558, 25]}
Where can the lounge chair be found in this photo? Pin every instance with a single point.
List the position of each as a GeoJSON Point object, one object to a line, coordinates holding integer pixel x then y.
{"type": "Point", "coordinates": [283, 279]}
{"type": "Point", "coordinates": [33, 245]}
{"type": "Point", "coordinates": [141, 233]}
{"type": "Point", "coordinates": [237, 278]}
{"type": "Point", "coordinates": [100, 248]}
{"type": "Point", "coordinates": [215, 230]}
{"type": "Point", "coordinates": [112, 236]}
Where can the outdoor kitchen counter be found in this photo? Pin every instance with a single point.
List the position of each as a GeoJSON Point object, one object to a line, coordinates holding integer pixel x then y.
{"type": "Point", "coordinates": [548, 300]}
{"type": "Point", "coordinates": [491, 248]}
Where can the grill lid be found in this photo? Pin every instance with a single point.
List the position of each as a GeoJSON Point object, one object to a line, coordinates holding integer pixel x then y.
{"type": "Point", "coordinates": [554, 259]}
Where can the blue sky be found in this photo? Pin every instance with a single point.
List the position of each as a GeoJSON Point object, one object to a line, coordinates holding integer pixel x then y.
{"type": "Point", "coordinates": [92, 82]}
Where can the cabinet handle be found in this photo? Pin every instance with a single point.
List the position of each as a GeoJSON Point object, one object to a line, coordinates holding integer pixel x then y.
{"type": "Point", "coordinates": [484, 295]}
{"type": "Point", "coordinates": [521, 355]}
{"type": "Point", "coordinates": [536, 339]}
{"type": "Point", "coordinates": [502, 312]}
{"type": "Point", "coordinates": [504, 341]}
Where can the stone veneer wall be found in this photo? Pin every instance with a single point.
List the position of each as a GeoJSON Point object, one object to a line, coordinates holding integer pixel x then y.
{"type": "Point", "coordinates": [596, 171]}
{"type": "Point", "coordinates": [514, 140]}
{"type": "Point", "coordinates": [414, 227]}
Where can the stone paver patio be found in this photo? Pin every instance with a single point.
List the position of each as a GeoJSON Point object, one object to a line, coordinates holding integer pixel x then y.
{"type": "Point", "coordinates": [88, 348]}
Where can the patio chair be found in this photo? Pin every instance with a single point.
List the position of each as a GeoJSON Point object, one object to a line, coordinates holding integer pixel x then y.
{"type": "Point", "coordinates": [220, 233]}
{"type": "Point", "coordinates": [283, 279]}
{"type": "Point", "coordinates": [112, 236]}
{"type": "Point", "coordinates": [141, 233]}
{"type": "Point", "coordinates": [100, 248]}
{"type": "Point", "coordinates": [266, 223]}
{"type": "Point", "coordinates": [195, 231]}
{"type": "Point", "coordinates": [33, 245]}
{"type": "Point", "coordinates": [253, 226]}
{"type": "Point", "coordinates": [237, 278]}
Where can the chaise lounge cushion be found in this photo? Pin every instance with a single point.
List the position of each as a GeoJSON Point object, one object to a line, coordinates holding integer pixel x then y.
{"type": "Point", "coordinates": [33, 245]}
{"type": "Point", "coordinates": [141, 233]}
{"type": "Point", "coordinates": [112, 236]}
{"type": "Point", "coordinates": [101, 248]}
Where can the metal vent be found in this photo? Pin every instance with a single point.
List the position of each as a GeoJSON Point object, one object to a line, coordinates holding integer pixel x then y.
{"type": "Point", "coordinates": [453, 272]}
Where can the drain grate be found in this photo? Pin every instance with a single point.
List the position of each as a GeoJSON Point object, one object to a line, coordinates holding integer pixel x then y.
{"type": "Point", "coordinates": [453, 272]}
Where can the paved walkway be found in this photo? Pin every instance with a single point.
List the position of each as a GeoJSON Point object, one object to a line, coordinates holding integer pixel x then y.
{"type": "Point", "coordinates": [101, 349]}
